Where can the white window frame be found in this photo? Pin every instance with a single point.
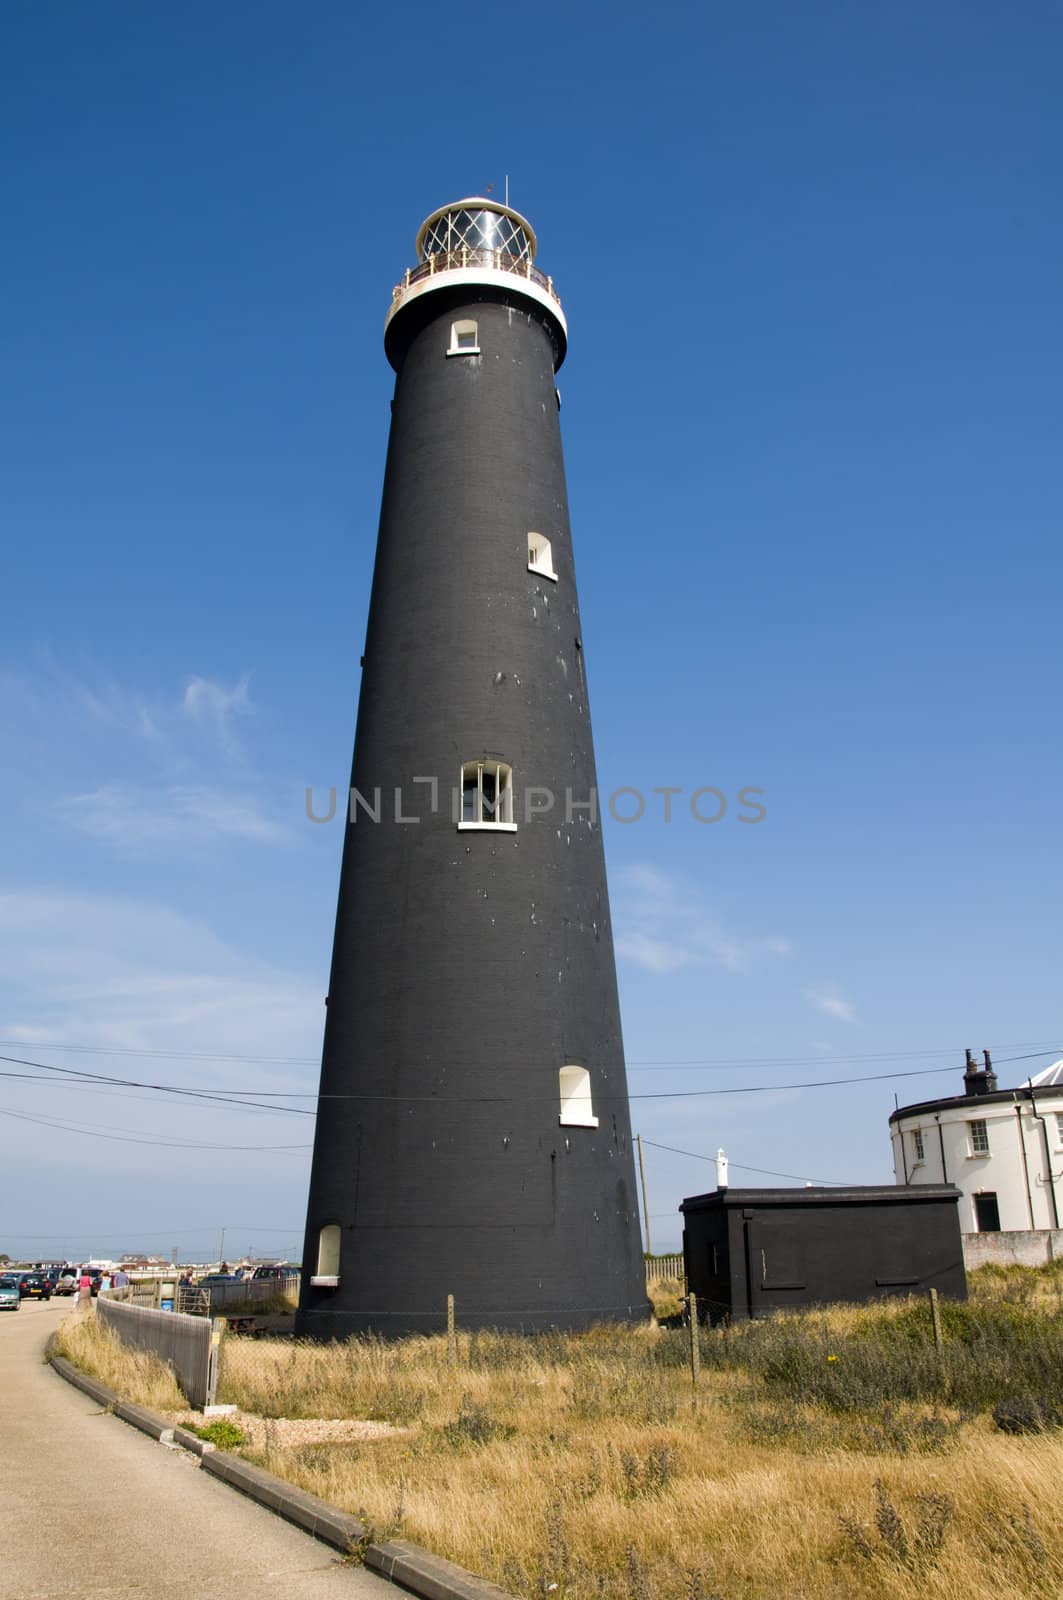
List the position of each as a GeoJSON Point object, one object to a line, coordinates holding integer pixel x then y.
{"type": "Point", "coordinates": [541, 556]}
{"type": "Point", "coordinates": [979, 1131]}
{"type": "Point", "coordinates": [917, 1145]}
{"type": "Point", "coordinates": [502, 819]}
{"type": "Point", "coordinates": [1059, 1127]}
{"type": "Point", "coordinates": [327, 1275]}
{"type": "Point", "coordinates": [577, 1109]}
{"type": "Point", "coordinates": [463, 327]}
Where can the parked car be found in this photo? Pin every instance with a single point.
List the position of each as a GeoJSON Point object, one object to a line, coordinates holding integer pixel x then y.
{"type": "Point", "coordinates": [10, 1298]}
{"type": "Point", "coordinates": [213, 1279]}
{"type": "Point", "coordinates": [34, 1286]}
{"type": "Point", "coordinates": [279, 1272]}
{"type": "Point", "coordinates": [66, 1284]}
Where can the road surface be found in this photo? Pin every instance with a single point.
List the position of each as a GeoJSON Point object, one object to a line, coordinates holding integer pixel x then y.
{"type": "Point", "coordinates": [91, 1507]}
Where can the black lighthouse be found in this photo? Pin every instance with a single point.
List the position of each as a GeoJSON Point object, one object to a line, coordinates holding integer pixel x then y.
{"type": "Point", "coordinates": [473, 1135]}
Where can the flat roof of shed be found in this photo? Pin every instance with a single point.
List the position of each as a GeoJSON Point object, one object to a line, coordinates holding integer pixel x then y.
{"type": "Point", "coordinates": [856, 1195]}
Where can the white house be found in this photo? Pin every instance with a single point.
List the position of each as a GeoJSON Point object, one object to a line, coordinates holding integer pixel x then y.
{"type": "Point", "coordinates": [1002, 1148]}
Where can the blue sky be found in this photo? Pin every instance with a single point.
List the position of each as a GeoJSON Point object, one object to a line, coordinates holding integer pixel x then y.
{"type": "Point", "coordinates": [810, 261]}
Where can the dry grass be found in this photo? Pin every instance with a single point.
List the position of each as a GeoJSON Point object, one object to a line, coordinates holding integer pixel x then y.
{"type": "Point", "coordinates": [666, 1296]}
{"type": "Point", "coordinates": [1040, 1287]}
{"type": "Point", "coordinates": [828, 1458]}
{"type": "Point", "coordinates": [576, 1466]}
{"type": "Point", "coordinates": [135, 1375]}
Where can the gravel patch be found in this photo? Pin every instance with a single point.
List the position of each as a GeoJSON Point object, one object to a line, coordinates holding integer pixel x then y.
{"type": "Point", "coordinates": [285, 1433]}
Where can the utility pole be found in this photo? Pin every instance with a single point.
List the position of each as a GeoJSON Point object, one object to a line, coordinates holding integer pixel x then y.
{"type": "Point", "coordinates": [645, 1206]}
{"type": "Point", "coordinates": [221, 1253]}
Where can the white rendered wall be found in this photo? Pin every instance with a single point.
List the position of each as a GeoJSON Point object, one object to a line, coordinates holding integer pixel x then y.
{"type": "Point", "coordinates": [1011, 1128]}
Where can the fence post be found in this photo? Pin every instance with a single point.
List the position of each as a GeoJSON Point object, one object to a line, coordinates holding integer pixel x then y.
{"type": "Point", "coordinates": [452, 1342]}
{"type": "Point", "coordinates": [217, 1333]}
{"type": "Point", "coordinates": [695, 1349]}
{"type": "Point", "coordinates": [935, 1317]}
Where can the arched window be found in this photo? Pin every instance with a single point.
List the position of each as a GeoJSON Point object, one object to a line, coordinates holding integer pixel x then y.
{"type": "Point", "coordinates": [576, 1108]}
{"type": "Point", "coordinates": [540, 557]}
{"type": "Point", "coordinates": [464, 339]}
{"type": "Point", "coordinates": [486, 795]}
{"type": "Point", "coordinates": [327, 1275]}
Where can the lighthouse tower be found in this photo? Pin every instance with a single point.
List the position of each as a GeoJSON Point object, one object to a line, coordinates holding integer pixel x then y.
{"type": "Point", "coordinates": [473, 1136]}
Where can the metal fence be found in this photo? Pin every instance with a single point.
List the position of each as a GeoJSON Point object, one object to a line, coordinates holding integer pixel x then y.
{"type": "Point", "coordinates": [245, 1293]}
{"type": "Point", "coordinates": [191, 1345]}
{"type": "Point", "coordinates": [219, 1299]}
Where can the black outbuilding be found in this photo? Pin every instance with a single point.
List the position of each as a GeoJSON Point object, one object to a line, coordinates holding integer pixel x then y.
{"type": "Point", "coordinates": [753, 1251]}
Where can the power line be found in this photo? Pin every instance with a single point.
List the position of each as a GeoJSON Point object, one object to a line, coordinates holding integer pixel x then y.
{"type": "Point", "coordinates": [715, 1063]}
{"type": "Point", "coordinates": [166, 1055]}
{"type": "Point", "coordinates": [80, 1076]}
{"type": "Point", "coordinates": [697, 1155]}
{"type": "Point", "coordinates": [161, 1233]}
{"type": "Point", "coordinates": [91, 1132]}
{"type": "Point", "coordinates": [236, 1096]}
{"type": "Point", "coordinates": [239, 1096]}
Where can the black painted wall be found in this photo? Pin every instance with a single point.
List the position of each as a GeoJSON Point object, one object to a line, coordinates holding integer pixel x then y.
{"type": "Point", "coordinates": [753, 1251]}
{"type": "Point", "coordinates": [469, 967]}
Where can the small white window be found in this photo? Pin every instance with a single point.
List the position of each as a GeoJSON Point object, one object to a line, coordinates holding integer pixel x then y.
{"type": "Point", "coordinates": [576, 1108]}
{"type": "Point", "coordinates": [463, 339]}
{"type": "Point", "coordinates": [1059, 1126]}
{"type": "Point", "coordinates": [979, 1139]}
{"type": "Point", "coordinates": [540, 557]}
{"type": "Point", "coordinates": [917, 1143]}
{"type": "Point", "coordinates": [327, 1275]}
{"type": "Point", "coordinates": [487, 796]}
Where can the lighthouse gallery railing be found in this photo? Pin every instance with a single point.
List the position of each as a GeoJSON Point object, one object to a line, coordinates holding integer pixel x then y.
{"type": "Point", "coordinates": [453, 260]}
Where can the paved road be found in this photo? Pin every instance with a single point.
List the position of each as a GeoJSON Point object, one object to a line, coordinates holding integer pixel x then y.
{"type": "Point", "coordinates": [91, 1507]}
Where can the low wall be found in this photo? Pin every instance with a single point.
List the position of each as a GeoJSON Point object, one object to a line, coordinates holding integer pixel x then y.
{"type": "Point", "coordinates": [190, 1344]}
{"type": "Point", "coordinates": [1032, 1247]}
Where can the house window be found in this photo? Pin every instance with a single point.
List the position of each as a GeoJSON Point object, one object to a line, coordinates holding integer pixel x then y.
{"type": "Point", "coordinates": [576, 1108]}
{"type": "Point", "coordinates": [979, 1139]}
{"type": "Point", "coordinates": [917, 1143]}
{"type": "Point", "coordinates": [1059, 1126]}
{"type": "Point", "coordinates": [463, 339]}
{"type": "Point", "coordinates": [540, 556]}
{"type": "Point", "coordinates": [486, 795]}
{"type": "Point", "coordinates": [986, 1213]}
{"type": "Point", "coordinates": [327, 1275]}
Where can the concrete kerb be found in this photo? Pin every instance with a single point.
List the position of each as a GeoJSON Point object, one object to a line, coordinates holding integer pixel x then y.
{"type": "Point", "coordinates": [81, 1380]}
{"type": "Point", "coordinates": [398, 1560]}
{"type": "Point", "coordinates": [429, 1576]}
{"type": "Point", "coordinates": [192, 1442]}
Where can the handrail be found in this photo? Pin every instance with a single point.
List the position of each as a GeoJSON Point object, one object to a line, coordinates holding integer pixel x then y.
{"type": "Point", "coordinates": [497, 260]}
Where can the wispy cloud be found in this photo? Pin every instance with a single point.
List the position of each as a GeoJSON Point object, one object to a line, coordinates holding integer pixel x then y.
{"type": "Point", "coordinates": [169, 820]}
{"type": "Point", "coordinates": [832, 1004]}
{"type": "Point", "coordinates": [214, 706]}
{"type": "Point", "coordinates": [142, 775]}
{"type": "Point", "coordinates": [663, 927]}
{"type": "Point", "coordinates": [122, 975]}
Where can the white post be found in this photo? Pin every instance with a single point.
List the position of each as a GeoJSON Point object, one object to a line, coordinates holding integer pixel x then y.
{"type": "Point", "coordinates": [721, 1170]}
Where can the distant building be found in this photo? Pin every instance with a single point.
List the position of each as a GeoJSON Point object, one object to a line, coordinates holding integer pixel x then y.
{"type": "Point", "coordinates": [1002, 1148]}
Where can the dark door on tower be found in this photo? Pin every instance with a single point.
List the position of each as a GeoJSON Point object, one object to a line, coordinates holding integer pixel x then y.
{"type": "Point", "coordinates": [987, 1213]}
